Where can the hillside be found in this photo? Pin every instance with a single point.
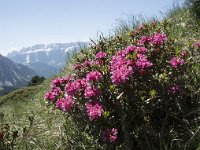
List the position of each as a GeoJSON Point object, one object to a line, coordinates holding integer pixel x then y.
{"type": "Point", "coordinates": [41, 126]}
{"type": "Point", "coordinates": [48, 59]}
{"type": "Point", "coordinates": [13, 76]}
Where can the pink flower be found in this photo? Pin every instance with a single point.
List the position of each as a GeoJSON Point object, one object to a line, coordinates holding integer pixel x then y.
{"type": "Point", "coordinates": [174, 88]}
{"type": "Point", "coordinates": [121, 68]}
{"type": "Point", "coordinates": [197, 44]}
{"type": "Point", "coordinates": [143, 40]}
{"type": "Point", "coordinates": [87, 63]}
{"type": "Point", "coordinates": [65, 80]}
{"type": "Point", "coordinates": [91, 63]}
{"type": "Point", "coordinates": [176, 62]}
{"type": "Point", "coordinates": [141, 49]}
{"type": "Point", "coordinates": [121, 53]}
{"type": "Point", "coordinates": [65, 104]}
{"type": "Point", "coordinates": [91, 91]}
{"type": "Point", "coordinates": [138, 30]}
{"type": "Point", "coordinates": [101, 55]}
{"type": "Point", "coordinates": [94, 110]}
{"type": "Point", "coordinates": [56, 82]}
{"type": "Point", "coordinates": [109, 135]}
{"type": "Point", "coordinates": [77, 66]}
{"type": "Point", "coordinates": [73, 88]}
{"type": "Point", "coordinates": [83, 83]}
{"type": "Point", "coordinates": [93, 76]}
{"type": "Point", "coordinates": [142, 62]}
{"type": "Point", "coordinates": [49, 96]}
{"type": "Point", "coordinates": [130, 49]}
{"type": "Point", "coordinates": [121, 75]}
{"type": "Point", "coordinates": [158, 39]}
{"type": "Point", "coordinates": [183, 54]}
{"type": "Point", "coordinates": [52, 94]}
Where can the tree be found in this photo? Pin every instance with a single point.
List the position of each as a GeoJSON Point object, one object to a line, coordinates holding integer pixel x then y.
{"type": "Point", "coordinates": [36, 80]}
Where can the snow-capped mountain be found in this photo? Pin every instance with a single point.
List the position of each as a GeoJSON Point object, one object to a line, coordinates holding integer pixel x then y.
{"type": "Point", "coordinates": [48, 59]}
{"type": "Point", "coordinates": [12, 75]}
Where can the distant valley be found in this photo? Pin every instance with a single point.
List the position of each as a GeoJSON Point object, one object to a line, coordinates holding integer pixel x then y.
{"type": "Point", "coordinates": [13, 75]}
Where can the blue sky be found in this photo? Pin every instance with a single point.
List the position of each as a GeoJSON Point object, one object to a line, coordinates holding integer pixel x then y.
{"type": "Point", "coordinates": [28, 22]}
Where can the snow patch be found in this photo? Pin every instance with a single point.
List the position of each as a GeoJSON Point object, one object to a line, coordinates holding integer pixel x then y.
{"type": "Point", "coordinates": [38, 50]}
{"type": "Point", "coordinates": [36, 58]}
{"type": "Point", "coordinates": [8, 83]}
{"type": "Point", "coordinates": [27, 59]}
{"type": "Point", "coordinates": [70, 48]}
{"type": "Point", "coordinates": [52, 62]}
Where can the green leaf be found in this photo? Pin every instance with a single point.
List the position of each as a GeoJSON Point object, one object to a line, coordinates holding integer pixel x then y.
{"type": "Point", "coordinates": [177, 51]}
{"type": "Point", "coordinates": [152, 93]}
{"type": "Point", "coordinates": [106, 114]}
{"type": "Point", "coordinates": [112, 88]}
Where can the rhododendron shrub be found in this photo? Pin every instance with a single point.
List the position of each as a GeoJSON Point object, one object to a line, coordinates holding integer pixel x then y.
{"type": "Point", "coordinates": [122, 95]}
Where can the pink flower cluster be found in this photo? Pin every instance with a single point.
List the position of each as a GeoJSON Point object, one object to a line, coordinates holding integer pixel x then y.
{"type": "Point", "coordinates": [109, 135]}
{"type": "Point", "coordinates": [174, 88]}
{"type": "Point", "coordinates": [83, 83]}
{"type": "Point", "coordinates": [94, 76]}
{"type": "Point", "coordinates": [144, 40]}
{"type": "Point", "coordinates": [73, 87]}
{"type": "Point", "coordinates": [142, 50]}
{"type": "Point", "coordinates": [51, 96]}
{"type": "Point", "coordinates": [65, 104]}
{"type": "Point", "coordinates": [176, 62]}
{"type": "Point", "coordinates": [120, 68]}
{"type": "Point", "coordinates": [77, 66]}
{"type": "Point", "coordinates": [91, 92]}
{"type": "Point", "coordinates": [197, 44]}
{"type": "Point", "coordinates": [128, 50]}
{"type": "Point", "coordinates": [156, 39]}
{"type": "Point", "coordinates": [94, 110]}
{"type": "Point", "coordinates": [56, 82]}
{"type": "Point", "coordinates": [56, 95]}
{"type": "Point", "coordinates": [142, 62]}
{"type": "Point", "coordinates": [86, 64]}
{"type": "Point", "coordinates": [101, 55]}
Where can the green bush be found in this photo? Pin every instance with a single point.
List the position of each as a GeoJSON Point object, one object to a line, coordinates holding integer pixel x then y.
{"type": "Point", "coordinates": [36, 80]}
{"type": "Point", "coordinates": [133, 92]}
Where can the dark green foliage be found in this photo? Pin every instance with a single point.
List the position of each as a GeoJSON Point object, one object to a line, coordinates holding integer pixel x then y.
{"type": "Point", "coordinates": [195, 7]}
{"type": "Point", "coordinates": [36, 80]}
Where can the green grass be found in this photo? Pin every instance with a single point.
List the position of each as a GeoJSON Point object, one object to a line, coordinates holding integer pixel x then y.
{"type": "Point", "coordinates": [38, 126]}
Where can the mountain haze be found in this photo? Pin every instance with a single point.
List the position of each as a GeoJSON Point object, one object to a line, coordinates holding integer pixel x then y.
{"type": "Point", "coordinates": [48, 59]}
{"type": "Point", "coordinates": [12, 75]}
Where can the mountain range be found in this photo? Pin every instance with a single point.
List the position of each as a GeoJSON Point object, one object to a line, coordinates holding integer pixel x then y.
{"type": "Point", "coordinates": [13, 75]}
{"type": "Point", "coordinates": [46, 60]}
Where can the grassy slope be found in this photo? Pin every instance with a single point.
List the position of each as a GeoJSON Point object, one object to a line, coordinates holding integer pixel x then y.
{"type": "Point", "coordinates": [19, 108]}
{"type": "Point", "coordinates": [47, 130]}
{"type": "Point", "coordinates": [39, 126]}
